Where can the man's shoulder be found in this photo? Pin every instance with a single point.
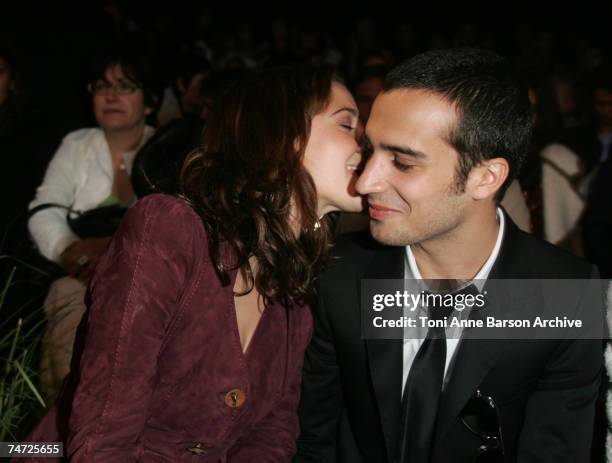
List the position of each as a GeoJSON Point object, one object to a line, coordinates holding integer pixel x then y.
{"type": "Point", "coordinates": [537, 258]}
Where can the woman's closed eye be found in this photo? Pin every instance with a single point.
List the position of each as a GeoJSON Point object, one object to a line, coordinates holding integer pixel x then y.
{"type": "Point", "coordinates": [348, 126]}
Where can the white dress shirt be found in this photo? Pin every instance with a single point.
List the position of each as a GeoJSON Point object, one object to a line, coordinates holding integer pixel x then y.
{"type": "Point", "coordinates": [411, 272]}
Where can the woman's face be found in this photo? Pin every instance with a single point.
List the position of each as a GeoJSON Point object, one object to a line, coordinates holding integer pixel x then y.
{"type": "Point", "coordinates": [118, 102]}
{"type": "Point", "coordinates": [5, 80]}
{"type": "Point", "coordinates": [332, 154]}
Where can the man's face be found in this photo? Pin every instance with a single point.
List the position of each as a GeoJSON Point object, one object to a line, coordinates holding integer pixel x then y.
{"type": "Point", "coordinates": [603, 106]}
{"type": "Point", "coordinates": [410, 180]}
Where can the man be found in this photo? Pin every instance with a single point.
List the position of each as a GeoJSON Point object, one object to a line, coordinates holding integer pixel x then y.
{"type": "Point", "coordinates": [596, 141]}
{"type": "Point", "coordinates": [444, 139]}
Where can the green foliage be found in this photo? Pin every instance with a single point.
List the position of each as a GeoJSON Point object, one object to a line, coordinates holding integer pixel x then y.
{"type": "Point", "coordinates": [21, 328]}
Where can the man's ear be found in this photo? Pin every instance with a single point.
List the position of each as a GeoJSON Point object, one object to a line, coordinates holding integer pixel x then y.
{"type": "Point", "coordinates": [488, 177]}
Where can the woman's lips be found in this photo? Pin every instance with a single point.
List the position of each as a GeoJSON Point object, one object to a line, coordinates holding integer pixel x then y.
{"type": "Point", "coordinates": [378, 211]}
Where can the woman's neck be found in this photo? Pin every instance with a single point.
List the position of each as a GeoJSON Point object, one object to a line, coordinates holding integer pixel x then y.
{"type": "Point", "coordinates": [124, 140]}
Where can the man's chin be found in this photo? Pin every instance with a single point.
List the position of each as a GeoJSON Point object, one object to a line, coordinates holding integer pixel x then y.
{"type": "Point", "coordinates": [386, 234]}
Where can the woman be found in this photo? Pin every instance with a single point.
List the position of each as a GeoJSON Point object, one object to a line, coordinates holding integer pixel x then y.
{"type": "Point", "coordinates": [193, 343]}
{"type": "Point", "coordinates": [91, 168]}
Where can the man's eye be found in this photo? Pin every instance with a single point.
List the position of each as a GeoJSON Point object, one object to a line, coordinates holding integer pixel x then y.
{"type": "Point", "coordinates": [401, 166]}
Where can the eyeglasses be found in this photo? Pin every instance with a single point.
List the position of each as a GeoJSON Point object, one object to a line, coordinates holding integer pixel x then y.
{"type": "Point", "coordinates": [481, 417]}
{"type": "Point", "coordinates": [102, 87]}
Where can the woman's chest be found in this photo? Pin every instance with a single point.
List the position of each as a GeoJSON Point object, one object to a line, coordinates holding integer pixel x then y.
{"type": "Point", "coordinates": [205, 381]}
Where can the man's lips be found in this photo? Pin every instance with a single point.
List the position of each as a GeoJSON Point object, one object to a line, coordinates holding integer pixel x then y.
{"type": "Point", "coordinates": [378, 211]}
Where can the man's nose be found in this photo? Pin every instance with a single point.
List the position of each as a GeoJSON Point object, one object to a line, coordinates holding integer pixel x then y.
{"type": "Point", "coordinates": [371, 179]}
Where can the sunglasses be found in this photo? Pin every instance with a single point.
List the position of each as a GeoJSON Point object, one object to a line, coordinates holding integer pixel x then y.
{"type": "Point", "coordinates": [481, 417]}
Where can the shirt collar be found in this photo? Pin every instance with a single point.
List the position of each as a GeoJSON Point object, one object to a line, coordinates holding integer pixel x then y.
{"type": "Point", "coordinates": [412, 269]}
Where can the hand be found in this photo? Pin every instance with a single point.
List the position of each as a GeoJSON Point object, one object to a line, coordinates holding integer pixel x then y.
{"type": "Point", "coordinates": [80, 258]}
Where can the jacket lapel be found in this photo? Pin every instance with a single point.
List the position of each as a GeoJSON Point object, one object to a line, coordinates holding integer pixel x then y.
{"type": "Point", "coordinates": [475, 357]}
{"type": "Point", "coordinates": [385, 355]}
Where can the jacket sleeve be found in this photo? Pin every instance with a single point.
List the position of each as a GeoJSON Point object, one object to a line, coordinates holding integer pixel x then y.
{"type": "Point", "coordinates": [321, 405]}
{"type": "Point", "coordinates": [559, 415]}
{"type": "Point", "coordinates": [272, 440]}
{"type": "Point", "coordinates": [134, 296]}
{"type": "Point", "coordinates": [49, 227]}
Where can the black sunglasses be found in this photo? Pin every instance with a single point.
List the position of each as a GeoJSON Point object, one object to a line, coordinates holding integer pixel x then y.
{"type": "Point", "coordinates": [481, 417]}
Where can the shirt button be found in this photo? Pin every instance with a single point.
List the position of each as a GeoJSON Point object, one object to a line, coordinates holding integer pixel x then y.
{"type": "Point", "coordinates": [235, 398]}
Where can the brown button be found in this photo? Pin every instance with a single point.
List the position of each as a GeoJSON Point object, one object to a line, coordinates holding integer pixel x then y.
{"type": "Point", "coordinates": [199, 449]}
{"type": "Point", "coordinates": [235, 398]}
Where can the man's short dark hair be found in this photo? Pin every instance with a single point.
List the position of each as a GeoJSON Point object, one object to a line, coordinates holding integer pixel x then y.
{"type": "Point", "coordinates": [494, 117]}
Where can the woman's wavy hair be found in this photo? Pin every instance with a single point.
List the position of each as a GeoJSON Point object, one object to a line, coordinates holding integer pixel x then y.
{"type": "Point", "coordinates": [249, 185]}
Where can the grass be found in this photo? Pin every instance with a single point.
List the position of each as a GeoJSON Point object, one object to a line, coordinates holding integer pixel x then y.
{"type": "Point", "coordinates": [21, 327]}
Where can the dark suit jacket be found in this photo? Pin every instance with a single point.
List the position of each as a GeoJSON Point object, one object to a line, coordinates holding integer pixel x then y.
{"type": "Point", "coordinates": [158, 356]}
{"type": "Point", "coordinates": [351, 391]}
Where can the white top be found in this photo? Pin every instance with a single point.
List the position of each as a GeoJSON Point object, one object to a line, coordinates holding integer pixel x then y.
{"type": "Point", "coordinates": [80, 175]}
{"type": "Point", "coordinates": [411, 272]}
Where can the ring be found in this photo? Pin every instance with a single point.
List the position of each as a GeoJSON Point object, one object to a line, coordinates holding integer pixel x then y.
{"type": "Point", "coordinates": [82, 260]}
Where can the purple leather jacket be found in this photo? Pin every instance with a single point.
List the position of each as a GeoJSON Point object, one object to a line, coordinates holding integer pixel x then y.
{"type": "Point", "coordinates": [159, 374]}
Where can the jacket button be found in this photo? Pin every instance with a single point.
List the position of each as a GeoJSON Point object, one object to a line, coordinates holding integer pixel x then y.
{"type": "Point", "coordinates": [199, 449]}
{"type": "Point", "coordinates": [235, 398]}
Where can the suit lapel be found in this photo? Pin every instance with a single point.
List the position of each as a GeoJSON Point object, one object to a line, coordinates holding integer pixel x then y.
{"type": "Point", "coordinates": [385, 355]}
{"type": "Point", "coordinates": [475, 357]}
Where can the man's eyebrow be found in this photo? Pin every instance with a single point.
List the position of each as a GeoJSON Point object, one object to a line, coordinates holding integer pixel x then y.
{"type": "Point", "coordinates": [403, 150]}
{"type": "Point", "coordinates": [353, 111]}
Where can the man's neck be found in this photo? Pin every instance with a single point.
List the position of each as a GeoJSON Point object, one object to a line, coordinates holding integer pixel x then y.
{"type": "Point", "coordinates": [460, 253]}
{"type": "Point", "coordinates": [124, 140]}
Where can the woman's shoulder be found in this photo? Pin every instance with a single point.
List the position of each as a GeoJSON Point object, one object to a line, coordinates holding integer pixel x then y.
{"type": "Point", "coordinates": [82, 135]}
{"type": "Point", "coordinates": [74, 144]}
{"type": "Point", "coordinates": [169, 219]}
{"type": "Point", "coordinates": [173, 211]}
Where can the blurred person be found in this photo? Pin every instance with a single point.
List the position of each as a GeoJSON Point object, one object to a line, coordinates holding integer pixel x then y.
{"type": "Point", "coordinates": [552, 173]}
{"type": "Point", "coordinates": [25, 137]}
{"type": "Point", "coordinates": [568, 101]}
{"type": "Point", "coordinates": [193, 342]}
{"type": "Point", "coordinates": [90, 170]}
{"type": "Point", "coordinates": [158, 163]}
{"type": "Point", "coordinates": [10, 126]}
{"type": "Point", "coordinates": [182, 98]}
{"type": "Point", "coordinates": [597, 221]}
{"type": "Point", "coordinates": [280, 48]}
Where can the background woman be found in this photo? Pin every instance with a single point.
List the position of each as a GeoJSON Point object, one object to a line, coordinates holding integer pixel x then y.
{"type": "Point", "coordinates": [91, 168]}
{"type": "Point", "coordinates": [194, 339]}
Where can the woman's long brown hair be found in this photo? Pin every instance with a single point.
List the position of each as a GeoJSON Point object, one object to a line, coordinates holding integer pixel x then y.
{"type": "Point", "coordinates": [248, 179]}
